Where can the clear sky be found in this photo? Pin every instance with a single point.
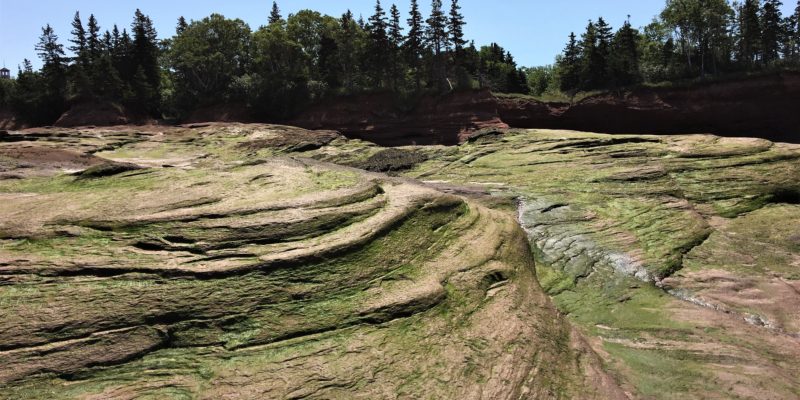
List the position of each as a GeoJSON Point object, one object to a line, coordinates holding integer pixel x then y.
{"type": "Point", "coordinates": [533, 30]}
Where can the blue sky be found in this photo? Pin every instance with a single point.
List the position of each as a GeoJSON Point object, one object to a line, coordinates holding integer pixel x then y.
{"type": "Point", "coordinates": [533, 30]}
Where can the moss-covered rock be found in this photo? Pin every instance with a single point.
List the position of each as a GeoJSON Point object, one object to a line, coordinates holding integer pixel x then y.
{"type": "Point", "coordinates": [234, 271]}
{"type": "Point", "coordinates": [241, 265]}
{"type": "Point", "coordinates": [674, 253]}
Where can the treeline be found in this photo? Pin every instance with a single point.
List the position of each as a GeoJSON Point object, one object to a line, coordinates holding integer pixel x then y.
{"type": "Point", "coordinates": [112, 66]}
{"type": "Point", "coordinates": [689, 39]}
{"type": "Point", "coordinates": [273, 71]}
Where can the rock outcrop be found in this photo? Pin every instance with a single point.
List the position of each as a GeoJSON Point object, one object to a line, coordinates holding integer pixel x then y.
{"type": "Point", "coordinates": [256, 261]}
{"type": "Point", "coordinates": [231, 265]}
{"type": "Point", "coordinates": [678, 256]}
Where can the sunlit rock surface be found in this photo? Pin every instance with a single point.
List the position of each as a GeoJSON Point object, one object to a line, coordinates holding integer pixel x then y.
{"type": "Point", "coordinates": [232, 261]}
{"type": "Point", "coordinates": [678, 256]}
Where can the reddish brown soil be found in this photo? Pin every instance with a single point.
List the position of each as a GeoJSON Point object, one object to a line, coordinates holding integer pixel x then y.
{"type": "Point", "coordinates": [31, 160]}
{"type": "Point", "coordinates": [99, 114]}
{"type": "Point", "coordinates": [221, 113]}
{"type": "Point", "coordinates": [8, 120]}
{"type": "Point", "coordinates": [434, 120]}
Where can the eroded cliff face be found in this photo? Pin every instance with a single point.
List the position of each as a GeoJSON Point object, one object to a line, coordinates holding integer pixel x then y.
{"type": "Point", "coordinates": [431, 120]}
{"type": "Point", "coordinates": [221, 261]}
{"type": "Point", "coordinates": [764, 107]}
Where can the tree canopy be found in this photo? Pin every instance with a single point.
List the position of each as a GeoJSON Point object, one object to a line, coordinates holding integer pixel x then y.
{"type": "Point", "coordinates": [274, 71]}
{"type": "Point", "coordinates": [690, 38]}
{"type": "Point", "coordinates": [292, 61]}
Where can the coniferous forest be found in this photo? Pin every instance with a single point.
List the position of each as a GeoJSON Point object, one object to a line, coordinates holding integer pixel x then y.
{"type": "Point", "coordinates": [293, 61]}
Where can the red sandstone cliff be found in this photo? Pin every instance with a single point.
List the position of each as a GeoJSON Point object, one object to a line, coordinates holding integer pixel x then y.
{"type": "Point", "coordinates": [767, 106]}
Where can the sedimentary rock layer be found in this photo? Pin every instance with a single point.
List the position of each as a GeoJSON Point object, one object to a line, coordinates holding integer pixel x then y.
{"type": "Point", "coordinates": [226, 266]}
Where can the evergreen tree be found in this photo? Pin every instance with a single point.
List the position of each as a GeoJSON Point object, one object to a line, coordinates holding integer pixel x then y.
{"type": "Point", "coordinates": [624, 58]}
{"type": "Point", "coordinates": [569, 67]}
{"type": "Point", "coordinates": [94, 49]}
{"type": "Point", "coordinates": [181, 26]}
{"type": "Point", "coordinates": [395, 29]}
{"type": "Point", "coordinates": [498, 71]}
{"type": "Point", "coordinates": [115, 38]}
{"type": "Point", "coordinates": [147, 74]}
{"type": "Point", "coordinates": [787, 39]}
{"type": "Point", "coordinates": [471, 59]}
{"type": "Point", "coordinates": [797, 32]}
{"type": "Point", "coordinates": [438, 41]}
{"type": "Point", "coordinates": [516, 80]}
{"type": "Point", "coordinates": [589, 58]}
{"type": "Point", "coordinates": [455, 27]}
{"type": "Point", "coordinates": [275, 14]}
{"type": "Point", "coordinates": [771, 23]}
{"type": "Point", "coordinates": [78, 40]}
{"type": "Point", "coordinates": [600, 65]}
{"type": "Point", "coordinates": [396, 42]}
{"type": "Point", "coordinates": [79, 82]}
{"type": "Point", "coordinates": [596, 49]}
{"type": "Point", "coordinates": [122, 57]}
{"type": "Point", "coordinates": [93, 44]}
{"type": "Point", "coordinates": [378, 55]}
{"type": "Point", "coordinates": [51, 52]}
{"type": "Point", "coordinates": [455, 30]}
{"type": "Point", "coordinates": [108, 43]}
{"type": "Point", "coordinates": [27, 66]}
{"type": "Point", "coordinates": [48, 102]}
{"type": "Point", "coordinates": [30, 95]}
{"type": "Point", "coordinates": [415, 43]}
{"type": "Point", "coordinates": [437, 29]}
{"type": "Point", "coordinates": [349, 51]}
{"type": "Point", "coordinates": [749, 32]}
{"type": "Point", "coordinates": [108, 83]}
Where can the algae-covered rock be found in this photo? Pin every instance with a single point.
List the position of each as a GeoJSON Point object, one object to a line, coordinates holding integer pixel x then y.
{"type": "Point", "coordinates": [245, 263]}
{"type": "Point", "coordinates": [235, 271]}
{"type": "Point", "coordinates": [674, 254]}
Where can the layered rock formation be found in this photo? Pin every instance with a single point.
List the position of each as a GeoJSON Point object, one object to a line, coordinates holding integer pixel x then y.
{"type": "Point", "coordinates": [678, 256]}
{"type": "Point", "coordinates": [262, 261]}
{"type": "Point", "coordinates": [212, 262]}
